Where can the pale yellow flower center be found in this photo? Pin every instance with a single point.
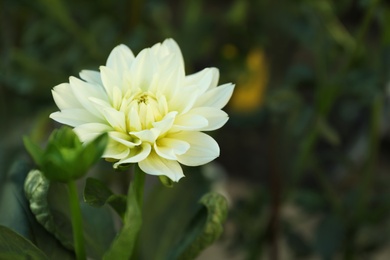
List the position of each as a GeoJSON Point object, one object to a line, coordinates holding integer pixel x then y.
{"type": "Point", "coordinates": [142, 109]}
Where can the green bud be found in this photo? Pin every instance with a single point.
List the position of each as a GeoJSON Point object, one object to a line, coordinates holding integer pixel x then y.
{"type": "Point", "coordinates": [65, 157]}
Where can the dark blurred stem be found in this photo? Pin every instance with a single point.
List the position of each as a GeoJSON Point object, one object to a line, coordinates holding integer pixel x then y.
{"type": "Point", "coordinates": [368, 170]}
{"type": "Point", "coordinates": [77, 225]}
{"type": "Point", "coordinates": [366, 22]}
{"type": "Point", "coordinates": [275, 183]}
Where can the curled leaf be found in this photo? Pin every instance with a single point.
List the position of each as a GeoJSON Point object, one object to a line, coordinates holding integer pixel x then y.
{"type": "Point", "coordinates": [204, 229]}
{"type": "Point", "coordinates": [36, 188]}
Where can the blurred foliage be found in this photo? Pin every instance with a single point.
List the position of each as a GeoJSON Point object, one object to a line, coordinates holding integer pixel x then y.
{"type": "Point", "coordinates": [309, 121]}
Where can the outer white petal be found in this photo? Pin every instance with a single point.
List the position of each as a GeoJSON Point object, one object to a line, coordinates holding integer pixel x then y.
{"type": "Point", "coordinates": [190, 122]}
{"type": "Point", "coordinates": [216, 97]}
{"type": "Point", "coordinates": [64, 98]}
{"type": "Point", "coordinates": [87, 132]}
{"type": "Point", "coordinates": [169, 77]}
{"type": "Point", "coordinates": [149, 135]}
{"type": "Point", "coordinates": [203, 148]}
{"type": "Point", "coordinates": [75, 117]}
{"type": "Point", "coordinates": [116, 150]}
{"type": "Point", "coordinates": [166, 123]}
{"type": "Point", "coordinates": [184, 99]}
{"type": "Point", "coordinates": [136, 154]}
{"type": "Point", "coordinates": [215, 117]}
{"type": "Point", "coordinates": [120, 59]}
{"type": "Point", "coordinates": [173, 47]}
{"type": "Point", "coordinates": [143, 69]}
{"type": "Point", "coordinates": [124, 139]}
{"type": "Point", "coordinates": [115, 118]}
{"type": "Point", "coordinates": [83, 91]}
{"type": "Point", "coordinates": [112, 79]}
{"type": "Point", "coordinates": [91, 76]}
{"type": "Point", "coordinates": [155, 165]}
{"type": "Point", "coordinates": [168, 148]}
{"type": "Point", "coordinates": [205, 79]}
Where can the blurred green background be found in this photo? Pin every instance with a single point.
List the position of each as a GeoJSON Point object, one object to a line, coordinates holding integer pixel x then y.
{"type": "Point", "coordinates": [304, 156]}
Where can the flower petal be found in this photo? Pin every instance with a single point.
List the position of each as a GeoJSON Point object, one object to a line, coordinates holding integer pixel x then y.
{"type": "Point", "coordinates": [89, 131]}
{"type": "Point", "coordinates": [168, 148]}
{"type": "Point", "coordinates": [120, 59]}
{"type": "Point", "coordinates": [203, 148]}
{"type": "Point", "coordinates": [216, 97]}
{"type": "Point", "coordinates": [204, 79]}
{"type": "Point", "coordinates": [137, 154]}
{"type": "Point", "coordinates": [149, 135]}
{"type": "Point", "coordinates": [215, 117]}
{"type": "Point", "coordinates": [91, 76]}
{"type": "Point", "coordinates": [74, 117]}
{"type": "Point", "coordinates": [116, 150]}
{"type": "Point", "coordinates": [189, 122]}
{"type": "Point", "coordinates": [166, 123]}
{"type": "Point", "coordinates": [155, 165]}
{"type": "Point", "coordinates": [124, 139]}
{"type": "Point", "coordinates": [142, 70]}
{"type": "Point", "coordinates": [115, 118]}
{"type": "Point", "coordinates": [83, 91]}
{"type": "Point", "coordinates": [64, 98]}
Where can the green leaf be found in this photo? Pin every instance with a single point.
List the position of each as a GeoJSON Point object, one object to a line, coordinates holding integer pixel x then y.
{"type": "Point", "coordinates": [14, 246]}
{"type": "Point", "coordinates": [50, 206]}
{"type": "Point", "coordinates": [204, 229]}
{"type": "Point", "coordinates": [124, 244]}
{"type": "Point", "coordinates": [36, 189]}
{"type": "Point", "coordinates": [96, 194]}
{"type": "Point", "coordinates": [34, 150]}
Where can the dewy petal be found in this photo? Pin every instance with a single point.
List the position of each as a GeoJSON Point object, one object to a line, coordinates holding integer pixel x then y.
{"type": "Point", "coordinates": [216, 117]}
{"type": "Point", "coordinates": [87, 132]}
{"type": "Point", "coordinates": [155, 165]}
{"type": "Point", "coordinates": [168, 148]}
{"type": "Point", "coordinates": [91, 76]}
{"type": "Point", "coordinates": [120, 59]}
{"type": "Point", "coordinates": [216, 97]}
{"type": "Point", "coordinates": [75, 117]}
{"type": "Point", "coordinates": [203, 148]}
{"type": "Point", "coordinates": [64, 98]}
{"type": "Point", "coordinates": [137, 154]}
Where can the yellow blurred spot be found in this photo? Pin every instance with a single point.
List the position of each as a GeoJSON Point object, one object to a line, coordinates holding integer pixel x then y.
{"type": "Point", "coordinates": [229, 51]}
{"type": "Point", "coordinates": [249, 93]}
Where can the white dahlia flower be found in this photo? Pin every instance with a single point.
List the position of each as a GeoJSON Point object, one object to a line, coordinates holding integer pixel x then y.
{"type": "Point", "coordinates": [154, 114]}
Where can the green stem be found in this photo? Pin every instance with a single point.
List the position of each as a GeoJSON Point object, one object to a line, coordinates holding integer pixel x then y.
{"type": "Point", "coordinates": [77, 221]}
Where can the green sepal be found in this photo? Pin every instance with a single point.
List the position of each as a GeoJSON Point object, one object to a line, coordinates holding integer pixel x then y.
{"type": "Point", "coordinates": [166, 181]}
{"type": "Point", "coordinates": [65, 158]}
{"type": "Point", "coordinates": [204, 229]}
{"type": "Point", "coordinates": [96, 194]}
{"type": "Point", "coordinates": [33, 149]}
{"type": "Point", "coordinates": [14, 246]}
